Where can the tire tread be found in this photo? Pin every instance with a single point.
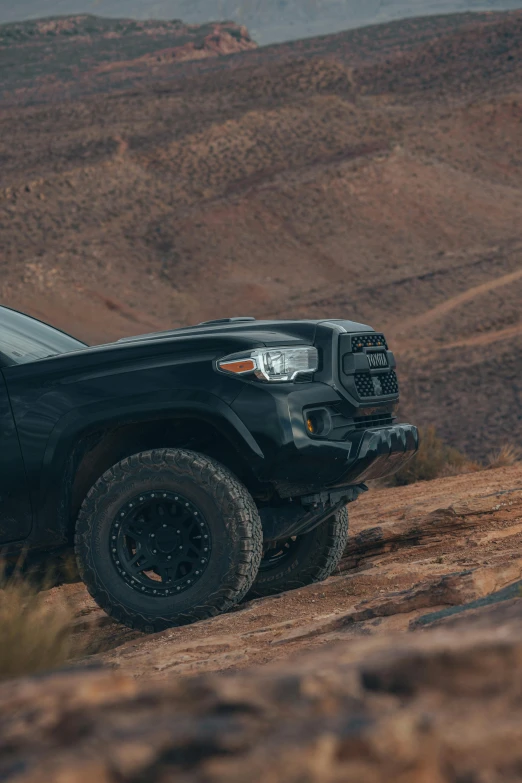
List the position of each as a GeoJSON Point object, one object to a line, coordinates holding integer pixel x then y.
{"type": "Point", "coordinates": [321, 564]}
{"type": "Point", "coordinates": [228, 492]}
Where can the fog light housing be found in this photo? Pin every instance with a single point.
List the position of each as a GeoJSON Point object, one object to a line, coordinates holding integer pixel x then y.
{"type": "Point", "coordinates": [318, 422]}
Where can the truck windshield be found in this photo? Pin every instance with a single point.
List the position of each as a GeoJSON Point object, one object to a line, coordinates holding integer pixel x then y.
{"type": "Point", "coordinates": [24, 339]}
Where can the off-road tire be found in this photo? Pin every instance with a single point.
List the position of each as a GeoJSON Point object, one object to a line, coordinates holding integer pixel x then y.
{"type": "Point", "coordinates": [230, 513]}
{"type": "Point", "coordinates": [313, 557]}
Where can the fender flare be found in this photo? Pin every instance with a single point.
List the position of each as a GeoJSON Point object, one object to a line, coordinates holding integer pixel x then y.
{"type": "Point", "coordinates": [57, 466]}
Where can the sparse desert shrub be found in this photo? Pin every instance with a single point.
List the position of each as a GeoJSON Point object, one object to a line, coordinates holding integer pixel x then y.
{"type": "Point", "coordinates": [504, 457]}
{"type": "Point", "coordinates": [35, 634]}
{"type": "Point", "coordinates": [433, 460]}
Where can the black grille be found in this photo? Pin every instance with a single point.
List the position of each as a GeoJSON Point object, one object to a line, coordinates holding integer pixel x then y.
{"type": "Point", "coordinates": [364, 385]}
{"type": "Point", "coordinates": [376, 385]}
{"type": "Point", "coordinates": [389, 383]}
{"type": "Point", "coordinates": [359, 343]}
{"type": "Point", "coordinates": [378, 420]}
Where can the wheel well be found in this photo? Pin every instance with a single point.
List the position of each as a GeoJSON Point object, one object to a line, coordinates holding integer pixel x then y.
{"type": "Point", "coordinates": [98, 451]}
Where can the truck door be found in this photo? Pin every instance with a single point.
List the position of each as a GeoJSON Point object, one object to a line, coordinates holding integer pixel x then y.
{"type": "Point", "coordinates": [15, 507]}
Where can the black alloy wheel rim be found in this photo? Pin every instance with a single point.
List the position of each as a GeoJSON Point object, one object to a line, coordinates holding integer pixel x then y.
{"type": "Point", "coordinates": [278, 552]}
{"type": "Point", "coordinates": [160, 543]}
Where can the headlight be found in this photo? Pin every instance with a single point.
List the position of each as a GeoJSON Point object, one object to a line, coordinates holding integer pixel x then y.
{"type": "Point", "coordinates": [274, 364]}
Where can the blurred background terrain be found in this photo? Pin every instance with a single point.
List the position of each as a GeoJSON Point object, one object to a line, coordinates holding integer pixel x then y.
{"type": "Point", "coordinates": [154, 174]}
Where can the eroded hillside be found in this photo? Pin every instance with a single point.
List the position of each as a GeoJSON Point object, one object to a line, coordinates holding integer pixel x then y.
{"type": "Point", "coordinates": [56, 58]}
{"type": "Point", "coordinates": [373, 175]}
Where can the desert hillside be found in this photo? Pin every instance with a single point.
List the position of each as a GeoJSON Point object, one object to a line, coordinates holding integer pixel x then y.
{"type": "Point", "coordinates": [375, 175]}
{"type": "Point", "coordinates": [57, 57]}
{"type": "Point", "coordinates": [403, 668]}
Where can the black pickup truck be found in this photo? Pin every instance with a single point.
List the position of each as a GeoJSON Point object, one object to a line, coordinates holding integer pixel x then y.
{"type": "Point", "coordinates": [194, 466]}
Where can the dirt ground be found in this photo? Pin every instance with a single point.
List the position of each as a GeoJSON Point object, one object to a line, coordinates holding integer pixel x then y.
{"type": "Point", "coordinates": [413, 551]}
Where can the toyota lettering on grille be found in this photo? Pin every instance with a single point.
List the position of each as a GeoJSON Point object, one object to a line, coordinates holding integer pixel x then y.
{"type": "Point", "coordinates": [377, 360]}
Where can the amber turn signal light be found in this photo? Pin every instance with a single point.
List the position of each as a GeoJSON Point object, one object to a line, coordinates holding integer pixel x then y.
{"type": "Point", "coordinates": [240, 366]}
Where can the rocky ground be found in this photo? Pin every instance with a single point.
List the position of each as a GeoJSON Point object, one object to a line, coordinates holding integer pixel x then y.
{"type": "Point", "coordinates": [443, 706]}
{"type": "Point", "coordinates": [380, 674]}
{"type": "Point", "coordinates": [414, 551]}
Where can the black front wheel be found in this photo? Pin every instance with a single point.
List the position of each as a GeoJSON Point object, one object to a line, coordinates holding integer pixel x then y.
{"type": "Point", "coordinates": [166, 538]}
{"type": "Point", "coordinates": [302, 560]}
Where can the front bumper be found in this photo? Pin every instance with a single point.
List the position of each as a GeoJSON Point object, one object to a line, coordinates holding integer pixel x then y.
{"type": "Point", "coordinates": [381, 453]}
{"type": "Point", "coordinates": [298, 464]}
{"type": "Point", "coordinates": [366, 455]}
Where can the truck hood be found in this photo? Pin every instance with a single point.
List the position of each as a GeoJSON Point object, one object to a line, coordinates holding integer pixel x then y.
{"type": "Point", "coordinates": [269, 332]}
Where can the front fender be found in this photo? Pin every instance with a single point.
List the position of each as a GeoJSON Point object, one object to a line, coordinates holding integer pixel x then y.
{"type": "Point", "coordinates": [84, 423]}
